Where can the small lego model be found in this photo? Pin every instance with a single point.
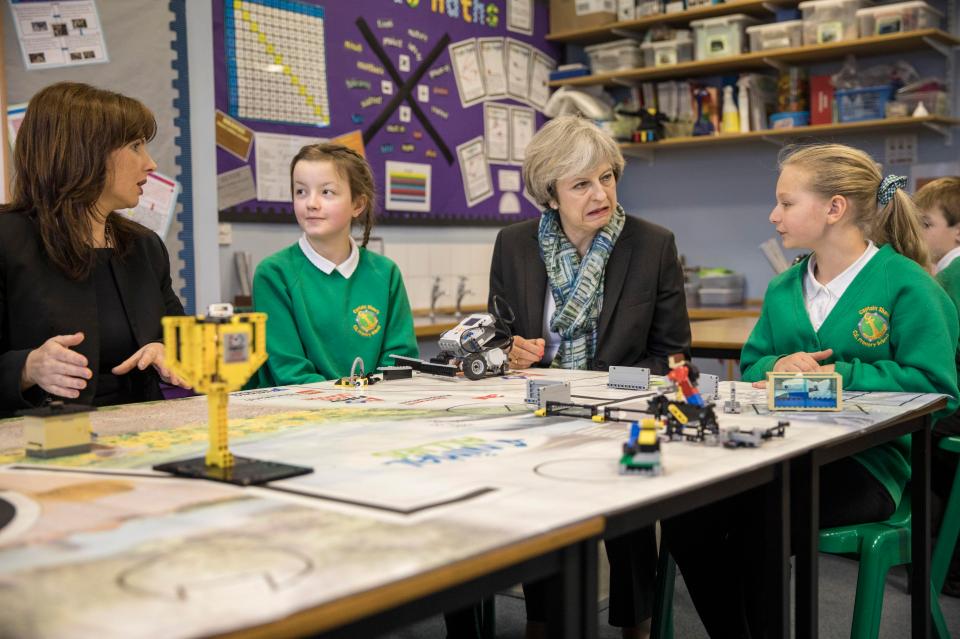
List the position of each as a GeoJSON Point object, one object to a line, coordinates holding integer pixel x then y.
{"type": "Point", "coordinates": [752, 438]}
{"type": "Point", "coordinates": [651, 125]}
{"type": "Point", "coordinates": [805, 391]}
{"type": "Point", "coordinates": [567, 409]}
{"type": "Point", "coordinates": [57, 429]}
{"type": "Point", "coordinates": [423, 366]}
{"type": "Point", "coordinates": [641, 452]}
{"type": "Point", "coordinates": [217, 353]}
{"type": "Point", "coordinates": [629, 378]}
{"type": "Point", "coordinates": [732, 406]}
{"type": "Point", "coordinates": [685, 375]}
{"type": "Point", "coordinates": [393, 373]}
{"type": "Point", "coordinates": [541, 390]}
{"type": "Point", "coordinates": [472, 345]}
{"type": "Point", "coordinates": [360, 381]}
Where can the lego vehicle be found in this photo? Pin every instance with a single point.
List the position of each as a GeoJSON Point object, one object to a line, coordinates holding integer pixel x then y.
{"type": "Point", "coordinates": [751, 438]}
{"type": "Point", "coordinates": [473, 344]}
{"type": "Point", "coordinates": [478, 345]}
{"type": "Point", "coordinates": [641, 452]}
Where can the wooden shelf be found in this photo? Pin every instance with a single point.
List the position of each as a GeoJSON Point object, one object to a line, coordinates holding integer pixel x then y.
{"type": "Point", "coordinates": [935, 122]}
{"type": "Point", "coordinates": [874, 45]}
{"type": "Point", "coordinates": [763, 8]}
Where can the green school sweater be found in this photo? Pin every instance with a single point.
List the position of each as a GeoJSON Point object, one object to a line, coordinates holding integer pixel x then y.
{"type": "Point", "coordinates": [318, 323]}
{"type": "Point", "coordinates": [949, 279]}
{"type": "Point", "coordinates": [893, 329]}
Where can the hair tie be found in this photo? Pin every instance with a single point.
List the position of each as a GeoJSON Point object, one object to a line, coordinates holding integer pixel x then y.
{"type": "Point", "coordinates": [889, 184]}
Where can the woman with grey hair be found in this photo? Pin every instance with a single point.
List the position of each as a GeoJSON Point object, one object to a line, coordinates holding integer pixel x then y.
{"type": "Point", "coordinates": [591, 287]}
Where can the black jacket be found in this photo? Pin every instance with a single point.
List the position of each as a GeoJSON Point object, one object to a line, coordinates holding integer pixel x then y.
{"type": "Point", "coordinates": [37, 301]}
{"type": "Point", "coordinates": [643, 319]}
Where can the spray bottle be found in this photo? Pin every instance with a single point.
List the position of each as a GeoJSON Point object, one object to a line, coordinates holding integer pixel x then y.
{"type": "Point", "coordinates": [731, 117]}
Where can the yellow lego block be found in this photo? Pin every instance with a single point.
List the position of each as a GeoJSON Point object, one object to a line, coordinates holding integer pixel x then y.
{"type": "Point", "coordinates": [676, 412]}
{"type": "Point", "coordinates": [57, 430]}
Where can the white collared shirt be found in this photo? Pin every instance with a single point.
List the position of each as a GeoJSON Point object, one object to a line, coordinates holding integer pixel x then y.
{"type": "Point", "coordinates": [821, 298]}
{"type": "Point", "coordinates": [946, 259]}
{"type": "Point", "coordinates": [345, 268]}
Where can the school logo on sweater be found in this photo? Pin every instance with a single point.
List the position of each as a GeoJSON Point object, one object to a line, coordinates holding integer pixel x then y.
{"type": "Point", "coordinates": [366, 320]}
{"type": "Point", "coordinates": [873, 329]}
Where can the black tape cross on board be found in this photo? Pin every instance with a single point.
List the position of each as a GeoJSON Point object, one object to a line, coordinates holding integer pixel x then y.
{"type": "Point", "coordinates": [404, 89]}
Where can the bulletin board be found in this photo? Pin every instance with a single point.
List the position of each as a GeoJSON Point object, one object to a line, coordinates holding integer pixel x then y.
{"type": "Point", "coordinates": [145, 58]}
{"type": "Point", "coordinates": [442, 95]}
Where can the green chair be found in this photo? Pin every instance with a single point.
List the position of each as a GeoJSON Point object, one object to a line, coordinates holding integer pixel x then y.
{"type": "Point", "coordinates": [883, 545]}
{"type": "Point", "coordinates": [661, 626]}
{"type": "Point", "coordinates": [946, 540]}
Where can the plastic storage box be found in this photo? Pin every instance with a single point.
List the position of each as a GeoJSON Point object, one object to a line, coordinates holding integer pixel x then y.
{"type": "Point", "coordinates": [722, 290]}
{"type": "Point", "coordinates": [830, 20]}
{"type": "Point", "coordinates": [619, 55]}
{"type": "Point", "coordinates": [868, 103]}
{"type": "Point", "coordinates": [720, 37]}
{"type": "Point", "coordinates": [935, 102]}
{"type": "Point", "coordinates": [895, 18]}
{"type": "Point", "coordinates": [658, 54]}
{"type": "Point", "coordinates": [777, 35]}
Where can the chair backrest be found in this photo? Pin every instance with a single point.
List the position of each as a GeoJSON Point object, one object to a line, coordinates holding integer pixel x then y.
{"type": "Point", "coordinates": [950, 528]}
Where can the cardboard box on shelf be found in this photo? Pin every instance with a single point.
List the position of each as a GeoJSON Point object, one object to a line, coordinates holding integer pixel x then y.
{"type": "Point", "coordinates": [570, 15]}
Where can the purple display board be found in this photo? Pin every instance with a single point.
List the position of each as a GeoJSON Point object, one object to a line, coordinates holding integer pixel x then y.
{"type": "Point", "coordinates": [443, 94]}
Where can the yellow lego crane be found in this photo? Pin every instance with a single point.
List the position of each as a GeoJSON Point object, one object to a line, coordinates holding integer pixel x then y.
{"type": "Point", "coordinates": [217, 353]}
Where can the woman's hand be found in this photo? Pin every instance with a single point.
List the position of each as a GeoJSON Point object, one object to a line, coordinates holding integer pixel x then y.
{"type": "Point", "coordinates": [804, 362]}
{"type": "Point", "coordinates": [151, 354]}
{"type": "Point", "coordinates": [525, 352]}
{"type": "Point", "coordinates": [55, 368]}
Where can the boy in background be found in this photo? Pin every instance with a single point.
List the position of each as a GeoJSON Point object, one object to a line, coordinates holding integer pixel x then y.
{"type": "Point", "coordinates": [939, 205]}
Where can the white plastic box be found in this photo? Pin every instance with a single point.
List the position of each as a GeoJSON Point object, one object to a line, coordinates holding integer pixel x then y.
{"type": "Point", "coordinates": [648, 8]}
{"type": "Point", "coordinates": [619, 55]}
{"type": "Point", "coordinates": [830, 20]}
{"type": "Point", "coordinates": [720, 37]}
{"type": "Point", "coordinates": [896, 18]}
{"type": "Point", "coordinates": [777, 35]}
{"type": "Point", "coordinates": [667, 52]}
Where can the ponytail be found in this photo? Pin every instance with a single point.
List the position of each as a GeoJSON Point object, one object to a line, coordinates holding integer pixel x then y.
{"type": "Point", "coordinates": [898, 225]}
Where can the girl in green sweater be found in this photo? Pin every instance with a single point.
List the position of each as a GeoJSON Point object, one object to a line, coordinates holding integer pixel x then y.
{"type": "Point", "coordinates": [861, 305]}
{"type": "Point", "coordinates": [327, 300]}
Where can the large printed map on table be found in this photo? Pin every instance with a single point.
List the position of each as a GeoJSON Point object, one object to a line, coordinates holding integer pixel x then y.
{"type": "Point", "coordinates": [407, 475]}
{"type": "Point", "coordinates": [407, 447]}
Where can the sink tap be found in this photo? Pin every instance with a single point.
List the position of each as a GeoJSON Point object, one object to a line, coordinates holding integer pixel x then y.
{"type": "Point", "coordinates": [462, 291]}
{"type": "Point", "coordinates": [435, 293]}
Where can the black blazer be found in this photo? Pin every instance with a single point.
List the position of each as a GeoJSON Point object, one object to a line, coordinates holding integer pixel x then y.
{"type": "Point", "coordinates": [37, 301]}
{"type": "Point", "coordinates": [644, 315]}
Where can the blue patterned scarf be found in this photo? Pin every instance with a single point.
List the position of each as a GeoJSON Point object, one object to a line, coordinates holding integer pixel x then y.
{"type": "Point", "coordinates": [576, 286]}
